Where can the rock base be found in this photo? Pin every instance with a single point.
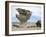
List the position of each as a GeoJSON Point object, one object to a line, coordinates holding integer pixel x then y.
{"type": "Point", "coordinates": [25, 25]}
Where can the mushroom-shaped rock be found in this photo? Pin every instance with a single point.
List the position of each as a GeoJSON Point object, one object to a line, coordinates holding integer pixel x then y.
{"type": "Point", "coordinates": [24, 14]}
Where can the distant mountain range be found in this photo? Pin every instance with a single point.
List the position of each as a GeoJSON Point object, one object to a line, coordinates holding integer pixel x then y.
{"type": "Point", "coordinates": [32, 19]}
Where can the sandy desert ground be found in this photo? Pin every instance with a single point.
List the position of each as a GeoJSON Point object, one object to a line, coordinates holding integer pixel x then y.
{"type": "Point", "coordinates": [28, 26]}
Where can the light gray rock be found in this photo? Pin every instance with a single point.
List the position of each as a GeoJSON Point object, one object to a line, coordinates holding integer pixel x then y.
{"type": "Point", "coordinates": [24, 15]}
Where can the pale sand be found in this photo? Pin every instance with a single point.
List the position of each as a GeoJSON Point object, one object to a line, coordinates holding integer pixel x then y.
{"type": "Point", "coordinates": [27, 26]}
{"type": "Point", "coordinates": [30, 28]}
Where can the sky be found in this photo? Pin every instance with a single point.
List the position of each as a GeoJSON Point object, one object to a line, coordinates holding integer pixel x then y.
{"type": "Point", "coordinates": [36, 13]}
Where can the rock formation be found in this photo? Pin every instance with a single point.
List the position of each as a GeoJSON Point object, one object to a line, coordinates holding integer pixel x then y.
{"type": "Point", "coordinates": [24, 15]}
